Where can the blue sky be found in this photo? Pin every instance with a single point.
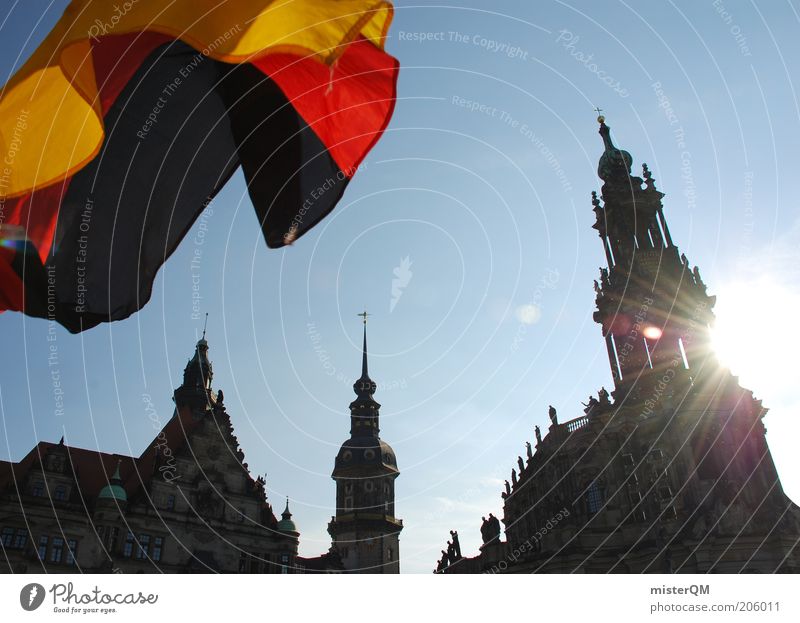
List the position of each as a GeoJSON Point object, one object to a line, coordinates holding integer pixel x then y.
{"type": "Point", "coordinates": [482, 185]}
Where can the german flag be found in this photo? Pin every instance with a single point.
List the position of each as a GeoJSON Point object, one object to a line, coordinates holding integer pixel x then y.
{"type": "Point", "coordinates": [131, 116]}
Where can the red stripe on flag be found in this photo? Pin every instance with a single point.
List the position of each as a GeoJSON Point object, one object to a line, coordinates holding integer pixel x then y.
{"type": "Point", "coordinates": [348, 105]}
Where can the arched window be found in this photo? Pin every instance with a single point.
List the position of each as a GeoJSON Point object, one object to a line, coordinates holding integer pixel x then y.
{"type": "Point", "coordinates": [60, 493]}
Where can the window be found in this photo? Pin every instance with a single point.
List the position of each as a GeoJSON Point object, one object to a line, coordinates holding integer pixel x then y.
{"type": "Point", "coordinates": [42, 549]}
{"type": "Point", "coordinates": [348, 487]}
{"type": "Point", "coordinates": [144, 545]}
{"type": "Point", "coordinates": [348, 504]}
{"type": "Point", "coordinates": [20, 539]}
{"type": "Point", "coordinates": [72, 548]}
{"type": "Point", "coordinates": [284, 563]}
{"type": "Point", "coordinates": [390, 554]}
{"type": "Point", "coordinates": [369, 485]}
{"type": "Point", "coordinates": [158, 546]}
{"type": "Point", "coordinates": [369, 454]}
{"type": "Point", "coordinates": [38, 489]}
{"type": "Point", "coordinates": [127, 549]}
{"type": "Point", "coordinates": [60, 494]}
{"type": "Point", "coordinates": [113, 538]}
{"type": "Point", "coordinates": [8, 536]}
{"type": "Point", "coordinates": [57, 549]}
{"type": "Point", "coordinates": [594, 499]}
{"type": "Point", "coordinates": [242, 562]}
{"type": "Point", "coordinates": [170, 502]}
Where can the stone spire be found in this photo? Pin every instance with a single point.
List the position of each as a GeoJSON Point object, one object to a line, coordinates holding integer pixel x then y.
{"type": "Point", "coordinates": [364, 410]}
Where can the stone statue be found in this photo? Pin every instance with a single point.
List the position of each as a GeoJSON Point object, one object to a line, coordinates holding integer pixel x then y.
{"type": "Point", "coordinates": [485, 529]}
{"type": "Point", "coordinates": [451, 553]}
{"type": "Point", "coordinates": [220, 397]}
{"type": "Point", "coordinates": [514, 477]}
{"type": "Point", "coordinates": [528, 449]}
{"type": "Point", "coordinates": [553, 415]}
{"type": "Point", "coordinates": [538, 435]}
{"type": "Point", "coordinates": [456, 544]}
{"type": "Point", "coordinates": [443, 562]}
{"type": "Point", "coordinates": [604, 276]}
{"type": "Point", "coordinates": [596, 287]}
{"type": "Point", "coordinates": [604, 397]}
{"type": "Point", "coordinates": [508, 490]}
{"type": "Point", "coordinates": [521, 464]}
{"type": "Point", "coordinates": [493, 527]}
{"type": "Point", "coordinates": [588, 408]}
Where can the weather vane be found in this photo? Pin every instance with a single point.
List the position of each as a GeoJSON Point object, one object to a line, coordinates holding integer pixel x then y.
{"type": "Point", "coordinates": [364, 315]}
{"type": "Point", "coordinates": [205, 324]}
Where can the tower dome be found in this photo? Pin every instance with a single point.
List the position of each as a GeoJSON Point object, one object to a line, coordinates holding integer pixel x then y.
{"type": "Point", "coordinates": [114, 490]}
{"type": "Point", "coordinates": [286, 525]}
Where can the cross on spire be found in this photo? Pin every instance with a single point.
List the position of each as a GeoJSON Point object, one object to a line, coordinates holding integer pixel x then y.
{"type": "Point", "coordinates": [205, 325]}
{"type": "Point", "coordinates": [364, 315]}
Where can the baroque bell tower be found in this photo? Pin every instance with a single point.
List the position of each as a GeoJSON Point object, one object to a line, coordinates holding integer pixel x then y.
{"type": "Point", "coordinates": [653, 308]}
{"type": "Point", "coordinates": [365, 531]}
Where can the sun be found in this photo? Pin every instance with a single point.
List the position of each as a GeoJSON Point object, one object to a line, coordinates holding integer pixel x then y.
{"type": "Point", "coordinates": [755, 334]}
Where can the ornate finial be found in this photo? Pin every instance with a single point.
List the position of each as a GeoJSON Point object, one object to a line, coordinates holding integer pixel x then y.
{"type": "Point", "coordinates": [205, 325]}
{"type": "Point", "coordinates": [595, 200]}
{"type": "Point", "coordinates": [364, 315]}
{"type": "Point", "coordinates": [600, 118]}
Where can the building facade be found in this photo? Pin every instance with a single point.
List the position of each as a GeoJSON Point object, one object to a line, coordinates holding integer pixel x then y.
{"type": "Point", "coordinates": [365, 531]}
{"type": "Point", "coordinates": [187, 504]}
{"type": "Point", "coordinates": [671, 471]}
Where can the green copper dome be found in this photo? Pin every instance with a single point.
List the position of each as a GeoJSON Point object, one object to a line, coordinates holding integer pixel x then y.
{"type": "Point", "coordinates": [114, 489]}
{"type": "Point", "coordinates": [286, 524]}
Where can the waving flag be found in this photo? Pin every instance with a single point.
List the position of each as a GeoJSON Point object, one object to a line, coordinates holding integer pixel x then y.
{"type": "Point", "coordinates": [131, 116]}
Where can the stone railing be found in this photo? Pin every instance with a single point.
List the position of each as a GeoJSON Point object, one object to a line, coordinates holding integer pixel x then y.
{"type": "Point", "coordinates": [578, 422]}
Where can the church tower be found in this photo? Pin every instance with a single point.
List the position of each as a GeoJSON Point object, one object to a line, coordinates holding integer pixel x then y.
{"type": "Point", "coordinates": [653, 308]}
{"type": "Point", "coordinates": [365, 531]}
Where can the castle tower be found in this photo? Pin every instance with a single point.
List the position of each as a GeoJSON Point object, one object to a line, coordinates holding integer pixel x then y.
{"type": "Point", "coordinates": [365, 531]}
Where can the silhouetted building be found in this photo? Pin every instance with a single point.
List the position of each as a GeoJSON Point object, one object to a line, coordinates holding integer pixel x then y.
{"type": "Point", "coordinates": [187, 504]}
{"type": "Point", "coordinates": [671, 472]}
{"type": "Point", "coordinates": [365, 531]}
